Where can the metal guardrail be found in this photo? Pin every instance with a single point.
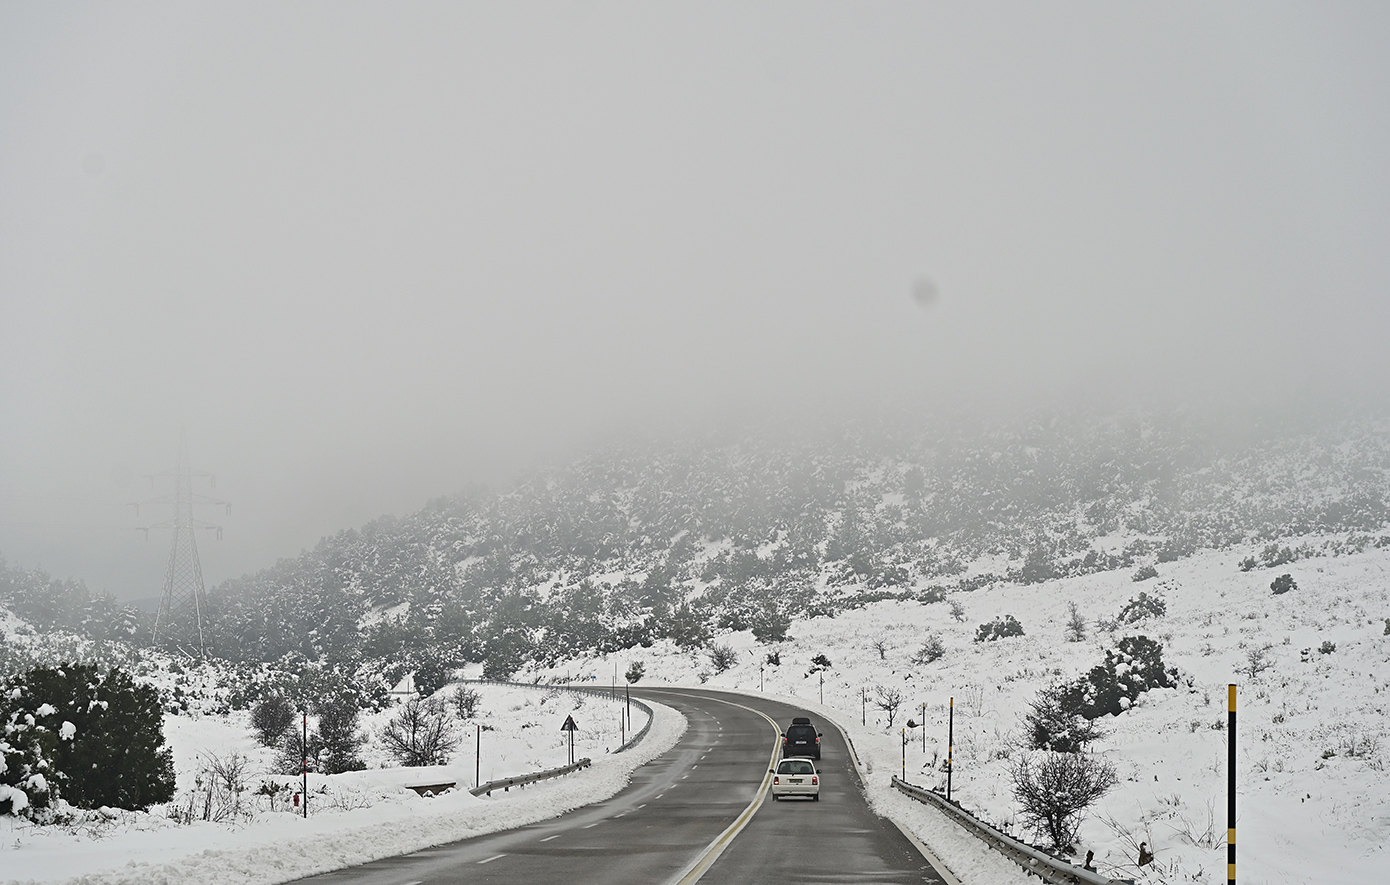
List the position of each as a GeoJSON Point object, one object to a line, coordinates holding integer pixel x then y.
{"type": "Point", "coordinates": [574, 689]}
{"type": "Point", "coordinates": [522, 780]}
{"type": "Point", "coordinates": [1040, 864]}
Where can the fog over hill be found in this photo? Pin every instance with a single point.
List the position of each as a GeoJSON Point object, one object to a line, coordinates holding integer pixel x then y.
{"type": "Point", "coordinates": [687, 538]}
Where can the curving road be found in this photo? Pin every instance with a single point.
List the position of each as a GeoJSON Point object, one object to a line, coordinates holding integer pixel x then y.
{"type": "Point", "coordinates": [694, 813]}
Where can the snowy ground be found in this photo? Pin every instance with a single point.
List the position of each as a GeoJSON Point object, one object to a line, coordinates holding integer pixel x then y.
{"type": "Point", "coordinates": [353, 817]}
{"type": "Point", "coordinates": [1313, 729]}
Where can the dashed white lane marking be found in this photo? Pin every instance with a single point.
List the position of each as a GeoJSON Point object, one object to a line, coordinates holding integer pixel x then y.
{"type": "Point", "coordinates": [548, 838]}
{"type": "Point", "coordinates": [590, 826]}
{"type": "Point", "coordinates": [643, 805]}
{"type": "Point", "coordinates": [491, 859]}
{"type": "Point", "coordinates": [660, 795]}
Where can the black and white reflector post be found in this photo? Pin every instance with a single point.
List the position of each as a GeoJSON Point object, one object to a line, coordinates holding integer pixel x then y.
{"type": "Point", "coordinates": [1231, 790]}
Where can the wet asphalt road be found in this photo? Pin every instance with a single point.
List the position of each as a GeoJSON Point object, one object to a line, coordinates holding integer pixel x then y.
{"type": "Point", "coordinates": [658, 829]}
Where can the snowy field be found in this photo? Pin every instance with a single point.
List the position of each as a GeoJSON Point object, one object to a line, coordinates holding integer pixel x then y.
{"type": "Point", "coordinates": [354, 817]}
{"type": "Point", "coordinates": [1313, 729]}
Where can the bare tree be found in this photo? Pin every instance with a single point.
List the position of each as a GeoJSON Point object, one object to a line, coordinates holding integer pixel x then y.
{"type": "Point", "coordinates": [880, 646]}
{"type": "Point", "coordinates": [1257, 661]}
{"type": "Point", "coordinates": [420, 734]}
{"type": "Point", "coordinates": [465, 701]}
{"type": "Point", "coordinates": [1055, 789]}
{"type": "Point", "coordinates": [888, 700]}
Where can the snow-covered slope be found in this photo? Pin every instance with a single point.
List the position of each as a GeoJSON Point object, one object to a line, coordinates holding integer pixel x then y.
{"type": "Point", "coordinates": [1313, 728]}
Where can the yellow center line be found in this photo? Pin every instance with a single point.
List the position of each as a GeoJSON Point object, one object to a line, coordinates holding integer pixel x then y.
{"type": "Point", "coordinates": [692, 873]}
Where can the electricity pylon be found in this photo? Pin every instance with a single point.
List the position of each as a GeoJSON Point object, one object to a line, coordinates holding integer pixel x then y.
{"type": "Point", "coordinates": [182, 617]}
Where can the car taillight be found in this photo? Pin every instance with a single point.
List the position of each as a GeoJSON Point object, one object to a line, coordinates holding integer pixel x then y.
{"type": "Point", "coordinates": [776, 780]}
{"type": "Point", "coordinates": [817, 739]}
{"type": "Point", "coordinates": [815, 780]}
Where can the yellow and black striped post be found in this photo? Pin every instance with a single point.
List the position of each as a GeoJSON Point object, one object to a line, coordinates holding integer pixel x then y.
{"type": "Point", "coordinates": [1231, 791]}
{"type": "Point", "coordinates": [950, 747]}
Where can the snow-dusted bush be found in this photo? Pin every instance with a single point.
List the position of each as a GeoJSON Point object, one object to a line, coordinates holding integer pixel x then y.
{"type": "Point", "coordinates": [1145, 606]}
{"type": "Point", "coordinates": [1054, 790]}
{"type": "Point", "coordinates": [93, 737]}
{"type": "Point", "coordinates": [1055, 720]}
{"type": "Point", "coordinates": [999, 628]}
{"type": "Point", "coordinates": [722, 657]}
{"type": "Point", "coordinates": [1283, 584]}
{"type": "Point", "coordinates": [932, 649]}
{"type": "Point", "coordinates": [1127, 672]}
{"type": "Point", "coordinates": [1144, 573]}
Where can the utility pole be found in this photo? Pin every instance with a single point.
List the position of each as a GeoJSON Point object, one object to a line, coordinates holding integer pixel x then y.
{"type": "Point", "coordinates": [180, 620]}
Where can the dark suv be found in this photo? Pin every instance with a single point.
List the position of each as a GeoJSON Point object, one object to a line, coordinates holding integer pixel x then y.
{"type": "Point", "coordinates": [801, 739]}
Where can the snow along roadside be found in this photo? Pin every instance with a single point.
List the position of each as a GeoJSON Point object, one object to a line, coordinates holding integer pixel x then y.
{"type": "Point", "coordinates": [285, 848]}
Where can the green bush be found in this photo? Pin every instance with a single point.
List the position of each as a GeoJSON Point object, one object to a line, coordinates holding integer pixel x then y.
{"type": "Point", "coordinates": [270, 717]}
{"type": "Point", "coordinates": [99, 735]}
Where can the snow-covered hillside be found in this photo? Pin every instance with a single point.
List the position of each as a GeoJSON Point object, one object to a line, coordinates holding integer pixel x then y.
{"type": "Point", "coordinates": [1313, 729]}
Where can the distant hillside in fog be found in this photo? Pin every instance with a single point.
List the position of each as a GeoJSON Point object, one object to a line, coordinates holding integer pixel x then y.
{"type": "Point", "coordinates": [677, 540]}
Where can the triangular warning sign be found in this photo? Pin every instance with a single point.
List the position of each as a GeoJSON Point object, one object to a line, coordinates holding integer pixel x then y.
{"type": "Point", "coordinates": [569, 724]}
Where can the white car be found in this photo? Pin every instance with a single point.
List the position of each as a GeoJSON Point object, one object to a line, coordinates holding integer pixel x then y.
{"type": "Point", "coordinates": [796, 776]}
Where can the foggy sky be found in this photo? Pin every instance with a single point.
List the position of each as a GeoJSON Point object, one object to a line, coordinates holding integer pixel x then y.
{"type": "Point", "coordinates": [368, 254]}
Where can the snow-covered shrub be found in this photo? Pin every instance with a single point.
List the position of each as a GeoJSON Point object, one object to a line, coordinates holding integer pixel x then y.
{"type": "Point", "coordinates": [1283, 584]}
{"type": "Point", "coordinates": [999, 628]}
{"type": "Point", "coordinates": [95, 738]}
{"type": "Point", "coordinates": [1127, 672]}
{"type": "Point", "coordinates": [1144, 573]}
{"type": "Point", "coordinates": [1055, 720]}
{"type": "Point", "coordinates": [1145, 606]}
{"type": "Point", "coordinates": [635, 671]}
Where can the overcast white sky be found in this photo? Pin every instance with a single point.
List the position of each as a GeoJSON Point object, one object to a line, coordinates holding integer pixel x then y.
{"type": "Point", "coordinates": [367, 254]}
